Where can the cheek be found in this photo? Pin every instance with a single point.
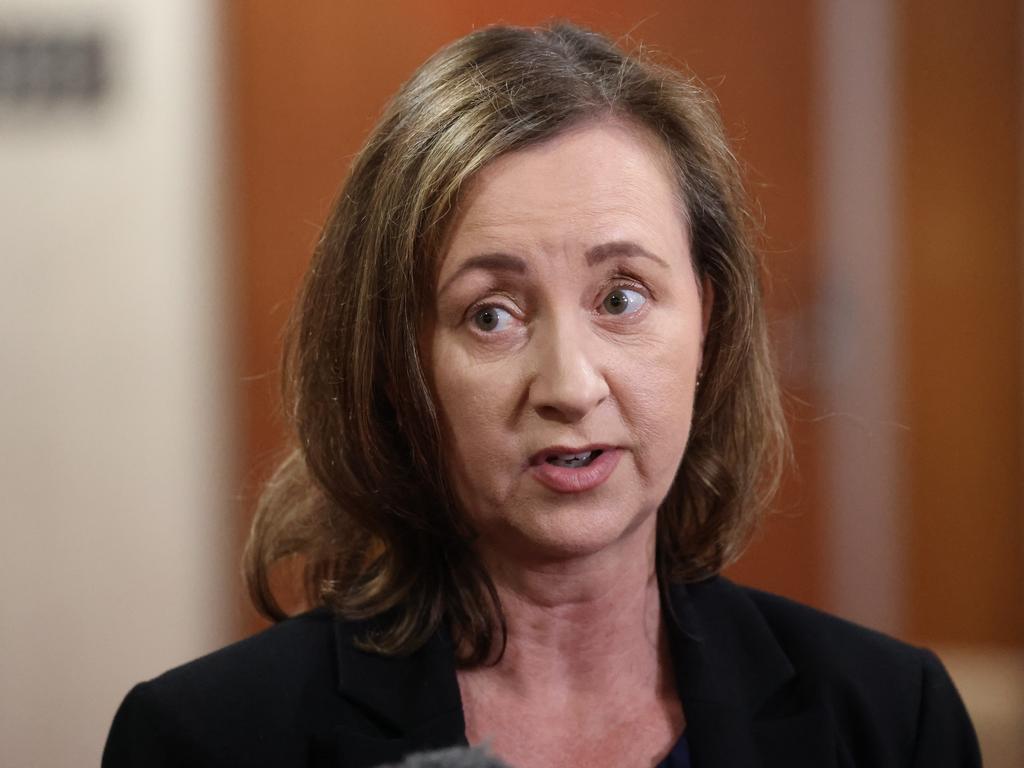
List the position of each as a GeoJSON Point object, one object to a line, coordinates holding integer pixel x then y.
{"type": "Point", "coordinates": [658, 401]}
{"type": "Point", "coordinates": [663, 424]}
{"type": "Point", "coordinates": [473, 401]}
{"type": "Point", "coordinates": [467, 393]}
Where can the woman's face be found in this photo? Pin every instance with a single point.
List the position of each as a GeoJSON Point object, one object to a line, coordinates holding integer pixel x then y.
{"type": "Point", "coordinates": [565, 343]}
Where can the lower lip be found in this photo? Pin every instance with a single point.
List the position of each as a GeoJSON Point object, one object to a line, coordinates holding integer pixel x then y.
{"type": "Point", "coordinates": [577, 479]}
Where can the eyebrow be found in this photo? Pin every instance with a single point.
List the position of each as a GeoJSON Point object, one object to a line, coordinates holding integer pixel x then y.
{"type": "Point", "coordinates": [604, 251]}
{"type": "Point", "coordinates": [507, 262]}
{"type": "Point", "coordinates": [494, 262]}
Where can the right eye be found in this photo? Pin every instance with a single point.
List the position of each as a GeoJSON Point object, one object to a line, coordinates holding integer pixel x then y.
{"type": "Point", "coordinates": [491, 319]}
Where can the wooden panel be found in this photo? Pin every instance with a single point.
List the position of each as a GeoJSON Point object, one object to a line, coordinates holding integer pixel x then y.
{"type": "Point", "coordinates": [962, 341]}
{"type": "Point", "coordinates": [306, 85]}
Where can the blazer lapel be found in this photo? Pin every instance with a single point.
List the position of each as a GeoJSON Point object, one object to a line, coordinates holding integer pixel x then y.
{"type": "Point", "coordinates": [740, 693]}
{"type": "Point", "coordinates": [402, 705]}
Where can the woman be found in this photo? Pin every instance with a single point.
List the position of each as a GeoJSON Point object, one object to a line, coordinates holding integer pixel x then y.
{"type": "Point", "coordinates": [532, 391]}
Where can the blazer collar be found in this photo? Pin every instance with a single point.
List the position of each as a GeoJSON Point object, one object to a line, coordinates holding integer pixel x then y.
{"type": "Point", "coordinates": [404, 704]}
{"type": "Point", "coordinates": [401, 692]}
{"type": "Point", "coordinates": [723, 649]}
{"type": "Point", "coordinates": [741, 695]}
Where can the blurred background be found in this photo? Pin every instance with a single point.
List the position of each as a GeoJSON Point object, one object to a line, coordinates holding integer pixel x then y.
{"type": "Point", "coordinates": [164, 170]}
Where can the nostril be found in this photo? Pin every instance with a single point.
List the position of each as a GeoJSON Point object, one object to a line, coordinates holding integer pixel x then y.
{"type": "Point", "coordinates": [568, 394]}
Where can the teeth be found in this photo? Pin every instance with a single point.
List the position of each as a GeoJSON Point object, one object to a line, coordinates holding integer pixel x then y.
{"type": "Point", "coordinates": [573, 459]}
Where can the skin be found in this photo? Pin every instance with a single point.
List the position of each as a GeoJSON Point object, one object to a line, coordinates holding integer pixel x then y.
{"type": "Point", "coordinates": [525, 351]}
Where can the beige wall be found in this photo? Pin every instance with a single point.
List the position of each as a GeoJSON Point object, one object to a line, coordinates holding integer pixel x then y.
{"type": "Point", "coordinates": [113, 426]}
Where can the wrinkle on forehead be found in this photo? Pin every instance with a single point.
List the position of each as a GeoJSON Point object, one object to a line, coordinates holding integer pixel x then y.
{"type": "Point", "coordinates": [628, 196]}
{"type": "Point", "coordinates": [623, 198]}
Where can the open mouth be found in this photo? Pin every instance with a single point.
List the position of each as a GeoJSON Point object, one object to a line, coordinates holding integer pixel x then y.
{"type": "Point", "coordinates": [573, 460]}
{"type": "Point", "coordinates": [565, 470]}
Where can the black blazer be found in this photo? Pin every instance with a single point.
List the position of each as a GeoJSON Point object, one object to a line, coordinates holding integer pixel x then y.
{"type": "Point", "coordinates": [763, 682]}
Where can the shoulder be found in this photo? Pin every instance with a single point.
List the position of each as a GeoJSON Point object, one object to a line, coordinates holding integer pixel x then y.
{"type": "Point", "coordinates": [833, 646]}
{"type": "Point", "coordinates": [258, 694]}
{"type": "Point", "coordinates": [895, 697]}
{"type": "Point", "coordinates": [278, 663]}
{"type": "Point", "coordinates": [866, 668]}
{"type": "Point", "coordinates": [302, 692]}
{"type": "Point", "coordinates": [810, 638]}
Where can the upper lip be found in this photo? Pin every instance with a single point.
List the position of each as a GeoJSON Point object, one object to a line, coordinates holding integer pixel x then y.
{"type": "Point", "coordinates": [566, 450]}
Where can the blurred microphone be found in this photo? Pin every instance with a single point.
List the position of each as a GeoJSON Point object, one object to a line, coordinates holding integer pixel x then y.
{"type": "Point", "coordinates": [454, 757]}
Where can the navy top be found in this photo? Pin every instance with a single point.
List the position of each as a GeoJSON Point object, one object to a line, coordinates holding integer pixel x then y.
{"type": "Point", "coordinates": [679, 757]}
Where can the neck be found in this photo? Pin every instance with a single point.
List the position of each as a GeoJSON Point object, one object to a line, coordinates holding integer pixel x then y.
{"type": "Point", "coordinates": [583, 626]}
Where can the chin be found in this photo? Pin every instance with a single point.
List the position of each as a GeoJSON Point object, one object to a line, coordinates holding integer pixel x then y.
{"type": "Point", "coordinates": [570, 533]}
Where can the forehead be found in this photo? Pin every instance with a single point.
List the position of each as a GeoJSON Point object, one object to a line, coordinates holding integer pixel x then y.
{"type": "Point", "coordinates": [599, 182]}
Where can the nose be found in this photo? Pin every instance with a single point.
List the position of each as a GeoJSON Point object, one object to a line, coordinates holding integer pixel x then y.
{"type": "Point", "coordinates": [569, 381]}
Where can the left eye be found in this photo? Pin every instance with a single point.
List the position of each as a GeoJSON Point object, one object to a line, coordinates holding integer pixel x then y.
{"type": "Point", "coordinates": [623, 301]}
{"type": "Point", "coordinates": [492, 319]}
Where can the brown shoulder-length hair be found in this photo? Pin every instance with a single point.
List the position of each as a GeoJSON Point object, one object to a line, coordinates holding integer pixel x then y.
{"type": "Point", "coordinates": [362, 500]}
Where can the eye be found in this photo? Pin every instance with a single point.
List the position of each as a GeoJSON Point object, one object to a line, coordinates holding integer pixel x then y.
{"type": "Point", "coordinates": [623, 301]}
{"type": "Point", "coordinates": [492, 319]}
